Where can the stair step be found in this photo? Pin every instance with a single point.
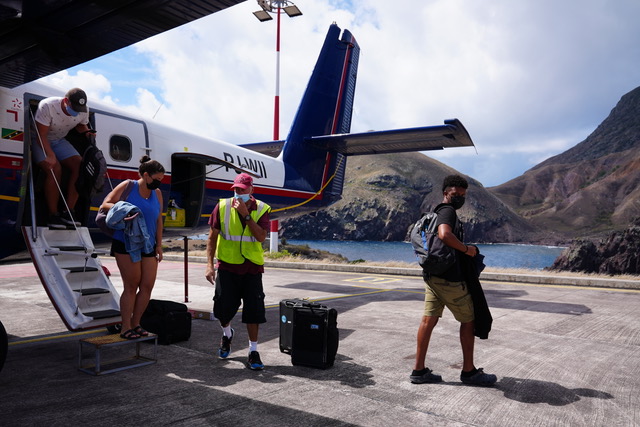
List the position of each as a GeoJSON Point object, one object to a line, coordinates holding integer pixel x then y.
{"type": "Point", "coordinates": [92, 291]}
{"type": "Point", "coordinates": [81, 269]}
{"type": "Point", "coordinates": [103, 314]}
{"type": "Point", "coordinates": [70, 248]}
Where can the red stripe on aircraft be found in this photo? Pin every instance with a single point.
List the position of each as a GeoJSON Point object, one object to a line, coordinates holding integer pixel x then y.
{"type": "Point", "coordinates": [129, 174]}
{"type": "Point", "coordinates": [7, 162]}
{"type": "Point", "coordinates": [336, 113]}
{"type": "Point", "coordinates": [268, 191]}
{"type": "Point", "coordinates": [120, 174]}
{"type": "Point", "coordinates": [343, 81]}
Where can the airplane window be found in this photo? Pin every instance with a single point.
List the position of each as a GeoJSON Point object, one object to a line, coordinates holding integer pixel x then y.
{"type": "Point", "coordinates": [120, 148]}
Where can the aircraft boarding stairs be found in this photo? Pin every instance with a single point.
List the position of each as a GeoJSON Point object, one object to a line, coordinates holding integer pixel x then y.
{"type": "Point", "coordinates": [72, 274]}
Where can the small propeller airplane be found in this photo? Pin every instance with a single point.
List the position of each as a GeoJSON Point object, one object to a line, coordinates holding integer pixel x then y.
{"type": "Point", "coordinates": [303, 173]}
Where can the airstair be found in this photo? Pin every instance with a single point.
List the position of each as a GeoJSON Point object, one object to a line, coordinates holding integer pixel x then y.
{"type": "Point", "coordinates": [72, 275]}
{"type": "Point", "coordinates": [67, 263]}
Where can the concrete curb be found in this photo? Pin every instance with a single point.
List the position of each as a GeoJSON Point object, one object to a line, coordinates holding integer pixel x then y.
{"type": "Point", "coordinates": [556, 280]}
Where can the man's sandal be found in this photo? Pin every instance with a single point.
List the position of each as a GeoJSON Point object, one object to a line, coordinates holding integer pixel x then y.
{"type": "Point", "coordinates": [130, 335]}
{"type": "Point", "coordinates": [140, 331]}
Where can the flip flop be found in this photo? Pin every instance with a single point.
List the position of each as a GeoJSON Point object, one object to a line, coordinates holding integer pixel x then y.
{"type": "Point", "coordinates": [130, 335]}
{"type": "Point", "coordinates": [140, 331]}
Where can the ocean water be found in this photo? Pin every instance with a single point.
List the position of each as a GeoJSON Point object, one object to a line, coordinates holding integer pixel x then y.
{"type": "Point", "coordinates": [533, 257]}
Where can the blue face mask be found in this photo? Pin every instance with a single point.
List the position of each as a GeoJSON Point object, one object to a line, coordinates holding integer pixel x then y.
{"type": "Point", "coordinates": [70, 110]}
{"type": "Point", "coordinates": [244, 197]}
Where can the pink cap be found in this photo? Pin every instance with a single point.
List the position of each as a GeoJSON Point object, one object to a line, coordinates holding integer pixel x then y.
{"type": "Point", "coordinates": [243, 181]}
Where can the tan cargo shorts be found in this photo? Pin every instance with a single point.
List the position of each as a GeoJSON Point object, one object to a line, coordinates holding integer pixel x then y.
{"type": "Point", "coordinates": [454, 295]}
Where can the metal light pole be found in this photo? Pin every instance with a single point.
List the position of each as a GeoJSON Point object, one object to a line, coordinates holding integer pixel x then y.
{"type": "Point", "coordinates": [276, 7]}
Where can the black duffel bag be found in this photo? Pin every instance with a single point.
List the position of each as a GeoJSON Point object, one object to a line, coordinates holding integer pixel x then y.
{"type": "Point", "coordinates": [169, 320]}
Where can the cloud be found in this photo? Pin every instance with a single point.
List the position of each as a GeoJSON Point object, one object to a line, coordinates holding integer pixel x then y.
{"type": "Point", "coordinates": [528, 79]}
{"type": "Point", "coordinates": [95, 85]}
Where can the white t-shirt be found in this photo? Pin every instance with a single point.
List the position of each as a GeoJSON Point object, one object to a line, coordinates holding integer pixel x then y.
{"type": "Point", "coordinates": [50, 114]}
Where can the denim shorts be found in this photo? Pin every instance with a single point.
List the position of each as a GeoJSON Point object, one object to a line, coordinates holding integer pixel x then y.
{"type": "Point", "coordinates": [440, 293]}
{"type": "Point", "coordinates": [118, 247]}
{"type": "Point", "coordinates": [61, 148]}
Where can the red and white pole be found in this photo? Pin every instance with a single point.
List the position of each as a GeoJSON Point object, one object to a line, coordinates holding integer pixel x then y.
{"type": "Point", "coordinates": [273, 238]}
{"type": "Point", "coordinates": [276, 105]}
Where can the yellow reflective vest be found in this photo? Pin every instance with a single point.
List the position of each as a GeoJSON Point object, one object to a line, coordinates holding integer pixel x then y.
{"type": "Point", "coordinates": [235, 242]}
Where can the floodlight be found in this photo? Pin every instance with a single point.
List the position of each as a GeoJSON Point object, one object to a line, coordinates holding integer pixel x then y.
{"type": "Point", "coordinates": [292, 11]}
{"type": "Point", "coordinates": [262, 16]}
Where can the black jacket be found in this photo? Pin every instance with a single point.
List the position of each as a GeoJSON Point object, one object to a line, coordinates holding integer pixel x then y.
{"type": "Point", "coordinates": [471, 268]}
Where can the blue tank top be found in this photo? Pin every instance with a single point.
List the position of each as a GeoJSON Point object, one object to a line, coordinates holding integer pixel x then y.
{"type": "Point", "coordinates": [150, 209]}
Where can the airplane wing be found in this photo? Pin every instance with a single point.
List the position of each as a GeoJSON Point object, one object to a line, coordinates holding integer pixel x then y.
{"type": "Point", "coordinates": [451, 134]}
{"type": "Point", "coordinates": [41, 37]}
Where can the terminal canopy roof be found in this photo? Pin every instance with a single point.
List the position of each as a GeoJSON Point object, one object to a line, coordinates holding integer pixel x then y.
{"type": "Point", "coordinates": [41, 37]}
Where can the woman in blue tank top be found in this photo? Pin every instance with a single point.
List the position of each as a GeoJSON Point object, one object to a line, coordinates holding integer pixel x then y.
{"type": "Point", "coordinates": [138, 278]}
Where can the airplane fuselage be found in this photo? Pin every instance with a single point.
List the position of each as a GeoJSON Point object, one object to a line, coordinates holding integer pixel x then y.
{"type": "Point", "coordinates": [200, 170]}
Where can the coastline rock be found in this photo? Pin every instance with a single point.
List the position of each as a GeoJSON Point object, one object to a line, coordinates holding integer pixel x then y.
{"type": "Point", "coordinates": [617, 254]}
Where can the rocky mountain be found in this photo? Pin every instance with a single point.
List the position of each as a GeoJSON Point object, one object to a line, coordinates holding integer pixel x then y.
{"type": "Point", "coordinates": [590, 189]}
{"type": "Point", "coordinates": [385, 194]}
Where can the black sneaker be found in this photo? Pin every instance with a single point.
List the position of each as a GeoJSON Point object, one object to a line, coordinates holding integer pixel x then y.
{"type": "Point", "coordinates": [67, 218]}
{"type": "Point", "coordinates": [55, 222]}
{"type": "Point", "coordinates": [424, 376]}
{"type": "Point", "coordinates": [254, 363]}
{"type": "Point", "coordinates": [225, 346]}
{"type": "Point", "coordinates": [479, 378]}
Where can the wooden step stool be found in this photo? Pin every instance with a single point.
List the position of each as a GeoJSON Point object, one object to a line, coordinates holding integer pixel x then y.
{"type": "Point", "coordinates": [104, 342]}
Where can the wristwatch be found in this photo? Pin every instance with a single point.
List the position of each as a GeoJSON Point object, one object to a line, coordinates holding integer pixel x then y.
{"type": "Point", "coordinates": [247, 217]}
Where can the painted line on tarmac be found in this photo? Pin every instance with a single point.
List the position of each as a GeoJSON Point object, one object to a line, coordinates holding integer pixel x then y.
{"type": "Point", "coordinates": [373, 280]}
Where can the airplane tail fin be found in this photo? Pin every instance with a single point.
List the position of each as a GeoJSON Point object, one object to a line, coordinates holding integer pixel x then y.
{"type": "Point", "coordinates": [325, 109]}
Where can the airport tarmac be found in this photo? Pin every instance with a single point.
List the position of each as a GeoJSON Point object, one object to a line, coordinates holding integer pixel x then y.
{"type": "Point", "coordinates": [564, 355]}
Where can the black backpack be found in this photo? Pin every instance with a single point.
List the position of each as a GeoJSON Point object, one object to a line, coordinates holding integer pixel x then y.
{"type": "Point", "coordinates": [92, 170]}
{"type": "Point", "coordinates": [433, 255]}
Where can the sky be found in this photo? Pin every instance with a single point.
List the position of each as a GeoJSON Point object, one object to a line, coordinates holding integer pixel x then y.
{"type": "Point", "coordinates": [529, 79]}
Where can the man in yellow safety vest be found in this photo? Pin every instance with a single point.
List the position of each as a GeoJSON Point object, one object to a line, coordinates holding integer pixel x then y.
{"type": "Point", "coordinates": [239, 225]}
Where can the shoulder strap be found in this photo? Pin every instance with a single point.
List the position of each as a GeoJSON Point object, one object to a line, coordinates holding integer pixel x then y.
{"type": "Point", "coordinates": [127, 190]}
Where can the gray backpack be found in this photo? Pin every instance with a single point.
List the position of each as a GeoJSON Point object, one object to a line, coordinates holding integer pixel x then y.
{"type": "Point", "coordinates": [433, 255]}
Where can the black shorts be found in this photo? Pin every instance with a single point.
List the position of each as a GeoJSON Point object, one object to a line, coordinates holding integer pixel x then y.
{"type": "Point", "coordinates": [118, 247]}
{"type": "Point", "coordinates": [231, 290]}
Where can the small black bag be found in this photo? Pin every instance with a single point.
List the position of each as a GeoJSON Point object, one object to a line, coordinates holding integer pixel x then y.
{"type": "Point", "coordinates": [93, 169]}
{"type": "Point", "coordinates": [168, 319]}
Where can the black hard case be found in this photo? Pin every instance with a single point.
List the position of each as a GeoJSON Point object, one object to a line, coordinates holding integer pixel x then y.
{"type": "Point", "coordinates": [309, 333]}
{"type": "Point", "coordinates": [170, 320]}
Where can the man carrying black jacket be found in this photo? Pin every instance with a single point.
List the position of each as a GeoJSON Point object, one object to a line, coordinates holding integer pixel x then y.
{"type": "Point", "coordinates": [450, 289]}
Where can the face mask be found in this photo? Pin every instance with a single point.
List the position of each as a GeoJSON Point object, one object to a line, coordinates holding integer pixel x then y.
{"type": "Point", "coordinates": [70, 110]}
{"type": "Point", "coordinates": [457, 202]}
{"type": "Point", "coordinates": [155, 184]}
{"type": "Point", "coordinates": [244, 197]}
